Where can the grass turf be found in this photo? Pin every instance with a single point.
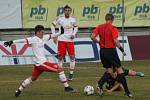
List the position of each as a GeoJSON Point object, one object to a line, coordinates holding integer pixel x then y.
{"type": "Point", "coordinates": [48, 86]}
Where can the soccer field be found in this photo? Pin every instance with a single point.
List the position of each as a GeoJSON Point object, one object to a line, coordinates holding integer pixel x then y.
{"type": "Point", "coordinates": [48, 86]}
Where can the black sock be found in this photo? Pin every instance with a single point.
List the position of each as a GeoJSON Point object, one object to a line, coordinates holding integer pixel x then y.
{"type": "Point", "coordinates": [103, 79]}
{"type": "Point", "coordinates": [121, 79]}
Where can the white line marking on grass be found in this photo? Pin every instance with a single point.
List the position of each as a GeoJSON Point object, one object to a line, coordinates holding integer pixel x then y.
{"type": "Point", "coordinates": [45, 80]}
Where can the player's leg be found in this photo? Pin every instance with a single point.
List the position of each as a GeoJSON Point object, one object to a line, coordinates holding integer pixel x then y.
{"type": "Point", "coordinates": [134, 73]}
{"type": "Point", "coordinates": [60, 70]}
{"type": "Point", "coordinates": [35, 73]}
{"type": "Point", "coordinates": [103, 79]}
{"type": "Point", "coordinates": [120, 77]}
{"type": "Point", "coordinates": [105, 59]}
{"type": "Point", "coordinates": [61, 52]}
{"type": "Point", "coordinates": [71, 52]}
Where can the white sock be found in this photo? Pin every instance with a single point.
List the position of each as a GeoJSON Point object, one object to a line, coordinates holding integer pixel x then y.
{"type": "Point", "coordinates": [60, 63]}
{"type": "Point", "coordinates": [25, 83]}
{"type": "Point", "coordinates": [63, 79]}
{"type": "Point", "coordinates": [72, 66]}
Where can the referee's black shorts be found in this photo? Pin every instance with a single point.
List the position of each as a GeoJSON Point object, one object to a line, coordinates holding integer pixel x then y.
{"type": "Point", "coordinates": [109, 58]}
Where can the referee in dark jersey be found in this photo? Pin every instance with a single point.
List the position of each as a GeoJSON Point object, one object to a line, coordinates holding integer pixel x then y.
{"type": "Point", "coordinates": [108, 35]}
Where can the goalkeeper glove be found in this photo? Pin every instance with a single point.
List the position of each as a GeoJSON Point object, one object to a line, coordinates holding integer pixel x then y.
{"type": "Point", "coordinates": [8, 43]}
{"type": "Point", "coordinates": [62, 30]}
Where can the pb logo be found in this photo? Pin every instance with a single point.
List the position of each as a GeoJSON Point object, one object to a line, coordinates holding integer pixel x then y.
{"type": "Point", "coordinates": [91, 13]}
{"type": "Point", "coordinates": [142, 11]}
{"type": "Point", "coordinates": [38, 13]}
{"type": "Point", "coordinates": [116, 11]}
{"type": "Point", "coordinates": [60, 11]}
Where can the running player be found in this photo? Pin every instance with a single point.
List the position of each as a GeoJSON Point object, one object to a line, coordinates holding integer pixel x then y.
{"type": "Point", "coordinates": [41, 64]}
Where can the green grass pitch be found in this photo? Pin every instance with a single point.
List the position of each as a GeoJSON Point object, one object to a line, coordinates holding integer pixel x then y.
{"type": "Point", "coordinates": [48, 86]}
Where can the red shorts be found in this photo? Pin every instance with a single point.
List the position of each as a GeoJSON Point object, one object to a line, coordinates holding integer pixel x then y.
{"type": "Point", "coordinates": [64, 47]}
{"type": "Point", "coordinates": [48, 67]}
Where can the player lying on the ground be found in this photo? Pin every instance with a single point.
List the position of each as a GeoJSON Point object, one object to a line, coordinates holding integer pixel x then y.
{"type": "Point", "coordinates": [41, 64]}
{"type": "Point", "coordinates": [112, 85]}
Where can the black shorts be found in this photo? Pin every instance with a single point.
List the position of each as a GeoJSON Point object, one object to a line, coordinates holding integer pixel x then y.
{"type": "Point", "coordinates": [110, 58]}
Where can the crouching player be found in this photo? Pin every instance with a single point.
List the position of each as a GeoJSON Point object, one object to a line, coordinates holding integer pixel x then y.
{"type": "Point", "coordinates": [112, 84]}
{"type": "Point", "coordinates": [37, 44]}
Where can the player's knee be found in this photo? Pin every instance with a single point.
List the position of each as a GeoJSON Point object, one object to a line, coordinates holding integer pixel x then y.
{"type": "Point", "coordinates": [72, 57]}
{"type": "Point", "coordinates": [109, 70]}
{"type": "Point", "coordinates": [60, 69]}
{"type": "Point", "coordinates": [120, 70]}
{"type": "Point", "coordinates": [33, 78]}
{"type": "Point", "coordinates": [60, 58]}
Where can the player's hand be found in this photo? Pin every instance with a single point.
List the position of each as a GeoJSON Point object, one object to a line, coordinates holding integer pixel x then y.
{"type": "Point", "coordinates": [8, 43]}
{"type": "Point", "coordinates": [108, 91]}
{"type": "Point", "coordinates": [72, 37]}
{"type": "Point", "coordinates": [124, 53]}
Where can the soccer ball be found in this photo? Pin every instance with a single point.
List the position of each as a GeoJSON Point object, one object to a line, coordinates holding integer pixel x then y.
{"type": "Point", "coordinates": [88, 90]}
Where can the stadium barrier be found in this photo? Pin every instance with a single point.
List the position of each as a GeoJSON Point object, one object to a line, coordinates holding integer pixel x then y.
{"type": "Point", "coordinates": [85, 49]}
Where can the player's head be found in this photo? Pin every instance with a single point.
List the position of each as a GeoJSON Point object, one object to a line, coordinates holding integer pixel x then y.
{"type": "Point", "coordinates": [109, 17]}
{"type": "Point", "coordinates": [67, 10]}
{"type": "Point", "coordinates": [39, 30]}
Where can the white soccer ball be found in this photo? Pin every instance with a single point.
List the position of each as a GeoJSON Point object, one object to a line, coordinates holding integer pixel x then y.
{"type": "Point", "coordinates": [88, 90]}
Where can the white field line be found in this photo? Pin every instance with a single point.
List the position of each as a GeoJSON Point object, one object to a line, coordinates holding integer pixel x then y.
{"type": "Point", "coordinates": [14, 81]}
{"type": "Point", "coordinates": [45, 80]}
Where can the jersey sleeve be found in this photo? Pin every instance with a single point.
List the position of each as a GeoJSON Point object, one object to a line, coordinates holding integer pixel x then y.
{"type": "Point", "coordinates": [30, 40]}
{"type": "Point", "coordinates": [56, 22]}
{"type": "Point", "coordinates": [47, 37]}
{"type": "Point", "coordinates": [96, 31]}
{"type": "Point", "coordinates": [25, 40]}
{"type": "Point", "coordinates": [115, 33]}
{"type": "Point", "coordinates": [75, 23]}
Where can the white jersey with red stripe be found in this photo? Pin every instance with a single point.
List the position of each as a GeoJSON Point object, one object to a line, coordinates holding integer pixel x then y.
{"type": "Point", "coordinates": [68, 24]}
{"type": "Point", "coordinates": [37, 45]}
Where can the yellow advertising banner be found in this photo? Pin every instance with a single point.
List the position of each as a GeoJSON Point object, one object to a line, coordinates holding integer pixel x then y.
{"type": "Point", "coordinates": [89, 13]}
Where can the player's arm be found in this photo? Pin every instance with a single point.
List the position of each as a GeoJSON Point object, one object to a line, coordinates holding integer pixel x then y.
{"type": "Point", "coordinates": [75, 29]}
{"type": "Point", "coordinates": [53, 32]}
{"type": "Point", "coordinates": [56, 23]}
{"type": "Point", "coordinates": [117, 43]}
{"type": "Point", "coordinates": [94, 35]}
{"type": "Point", "coordinates": [117, 85]}
{"type": "Point", "coordinates": [119, 46]}
{"type": "Point", "coordinates": [53, 28]}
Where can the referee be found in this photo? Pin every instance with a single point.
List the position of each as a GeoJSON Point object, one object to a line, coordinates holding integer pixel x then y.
{"type": "Point", "coordinates": [108, 35]}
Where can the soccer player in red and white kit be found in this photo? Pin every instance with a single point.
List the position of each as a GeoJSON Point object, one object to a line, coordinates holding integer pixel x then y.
{"type": "Point", "coordinates": [69, 27]}
{"type": "Point", "coordinates": [41, 64]}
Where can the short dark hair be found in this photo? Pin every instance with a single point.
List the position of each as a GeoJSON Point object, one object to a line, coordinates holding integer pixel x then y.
{"type": "Point", "coordinates": [38, 28]}
{"type": "Point", "coordinates": [66, 6]}
{"type": "Point", "coordinates": [109, 16]}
